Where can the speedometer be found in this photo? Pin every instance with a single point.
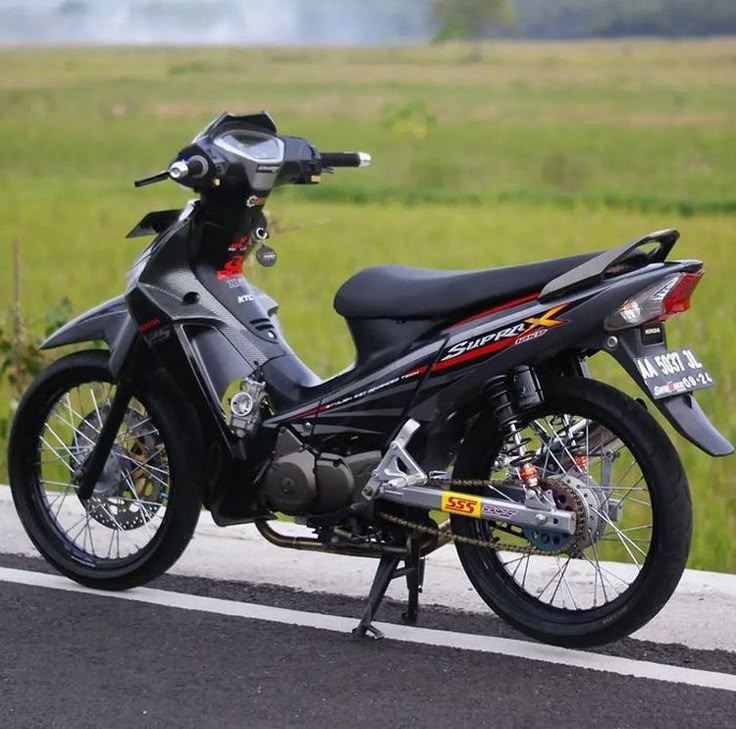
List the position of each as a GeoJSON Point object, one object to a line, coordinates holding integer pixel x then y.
{"type": "Point", "coordinates": [252, 146]}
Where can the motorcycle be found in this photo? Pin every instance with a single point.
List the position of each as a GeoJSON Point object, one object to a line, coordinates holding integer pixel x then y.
{"type": "Point", "coordinates": [468, 417]}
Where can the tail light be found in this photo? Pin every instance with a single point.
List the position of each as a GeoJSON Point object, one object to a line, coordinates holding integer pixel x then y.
{"type": "Point", "coordinates": [655, 303]}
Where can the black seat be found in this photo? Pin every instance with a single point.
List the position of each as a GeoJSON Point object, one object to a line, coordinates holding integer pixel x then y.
{"type": "Point", "coordinates": [403, 292]}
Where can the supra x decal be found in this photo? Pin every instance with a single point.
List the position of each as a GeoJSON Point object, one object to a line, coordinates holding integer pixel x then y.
{"type": "Point", "coordinates": [529, 328]}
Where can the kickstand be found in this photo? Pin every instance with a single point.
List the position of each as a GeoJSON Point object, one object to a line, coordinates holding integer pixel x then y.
{"type": "Point", "coordinates": [388, 569]}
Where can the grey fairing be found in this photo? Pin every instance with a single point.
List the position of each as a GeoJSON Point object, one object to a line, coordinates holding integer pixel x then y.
{"type": "Point", "coordinates": [109, 322]}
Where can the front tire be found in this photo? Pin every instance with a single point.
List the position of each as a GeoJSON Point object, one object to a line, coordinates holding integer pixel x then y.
{"type": "Point", "coordinates": [662, 488]}
{"type": "Point", "coordinates": [146, 504]}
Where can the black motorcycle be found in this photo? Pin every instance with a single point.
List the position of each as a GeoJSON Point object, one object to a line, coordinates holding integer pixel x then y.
{"type": "Point", "coordinates": [468, 415]}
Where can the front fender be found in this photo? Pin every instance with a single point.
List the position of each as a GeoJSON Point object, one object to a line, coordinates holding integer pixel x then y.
{"type": "Point", "coordinates": [682, 411]}
{"type": "Point", "coordinates": [110, 322]}
{"type": "Point", "coordinates": [104, 322]}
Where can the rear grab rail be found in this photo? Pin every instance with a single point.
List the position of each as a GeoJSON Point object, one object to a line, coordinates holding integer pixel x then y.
{"type": "Point", "coordinates": [596, 268]}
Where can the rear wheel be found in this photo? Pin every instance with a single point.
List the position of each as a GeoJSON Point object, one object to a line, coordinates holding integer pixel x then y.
{"type": "Point", "coordinates": [146, 504]}
{"type": "Point", "coordinates": [600, 453]}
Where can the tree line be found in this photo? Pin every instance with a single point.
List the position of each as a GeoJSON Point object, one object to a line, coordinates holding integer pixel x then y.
{"type": "Point", "coordinates": [613, 18]}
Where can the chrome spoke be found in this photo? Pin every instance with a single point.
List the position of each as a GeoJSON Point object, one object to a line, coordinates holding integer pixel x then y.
{"type": "Point", "coordinates": [623, 537]}
{"type": "Point", "coordinates": [526, 569]}
{"type": "Point", "coordinates": [598, 570]}
{"type": "Point", "coordinates": [96, 406]}
{"type": "Point", "coordinates": [59, 458]}
{"type": "Point", "coordinates": [61, 503]}
{"type": "Point", "coordinates": [61, 443]}
{"type": "Point", "coordinates": [552, 579]}
{"type": "Point", "coordinates": [145, 468]}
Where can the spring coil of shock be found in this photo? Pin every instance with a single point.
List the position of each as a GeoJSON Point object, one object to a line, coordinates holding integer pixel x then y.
{"type": "Point", "coordinates": [504, 411]}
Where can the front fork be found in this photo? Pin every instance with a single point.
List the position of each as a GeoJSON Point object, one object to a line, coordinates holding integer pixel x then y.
{"type": "Point", "coordinates": [123, 363]}
{"type": "Point", "coordinates": [90, 471]}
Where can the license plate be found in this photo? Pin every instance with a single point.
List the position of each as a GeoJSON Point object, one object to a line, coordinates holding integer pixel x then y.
{"type": "Point", "coordinates": [673, 373]}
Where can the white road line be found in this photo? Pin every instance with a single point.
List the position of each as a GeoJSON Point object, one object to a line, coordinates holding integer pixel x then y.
{"type": "Point", "coordinates": [446, 639]}
{"type": "Point", "coordinates": [240, 554]}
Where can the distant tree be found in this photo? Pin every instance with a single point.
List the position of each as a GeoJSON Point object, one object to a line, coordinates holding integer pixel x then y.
{"type": "Point", "coordinates": [73, 8]}
{"type": "Point", "coordinates": [469, 19]}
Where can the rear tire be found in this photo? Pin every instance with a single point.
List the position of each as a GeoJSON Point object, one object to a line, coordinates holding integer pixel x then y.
{"type": "Point", "coordinates": [671, 515]}
{"type": "Point", "coordinates": [178, 447]}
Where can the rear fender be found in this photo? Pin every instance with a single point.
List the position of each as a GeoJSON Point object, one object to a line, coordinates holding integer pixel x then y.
{"type": "Point", "coordinates": [681, 411]}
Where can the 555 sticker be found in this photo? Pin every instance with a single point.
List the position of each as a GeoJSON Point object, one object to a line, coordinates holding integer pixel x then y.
{"type": "Point", "coordinates": [460, 504]}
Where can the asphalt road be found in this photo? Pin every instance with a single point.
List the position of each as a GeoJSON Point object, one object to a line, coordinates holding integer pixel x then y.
{"type": "Point", "coordinates": [70, 659]}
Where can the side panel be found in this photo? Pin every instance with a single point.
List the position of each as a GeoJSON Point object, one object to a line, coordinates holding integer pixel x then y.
{"type": "Point", "coordinates": [450, 372]}
{"type": "Point", "coordinates": [530, 333]}
{"type": "Point", "coordinates": [369, 407]}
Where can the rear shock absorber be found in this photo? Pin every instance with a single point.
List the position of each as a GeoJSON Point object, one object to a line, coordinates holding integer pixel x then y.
{"type": "Point", "coordinates": [569, 440]}
{"type": "Point", "coordinates": [506, 395]}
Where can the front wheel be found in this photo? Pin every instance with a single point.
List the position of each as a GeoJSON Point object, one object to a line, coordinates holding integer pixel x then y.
{"type": "Point", "coordinates": [146, 503]}
{"type": "Point", "coordinates": [599, 452]}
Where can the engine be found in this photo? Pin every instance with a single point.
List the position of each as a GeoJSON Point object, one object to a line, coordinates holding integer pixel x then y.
{"type": "Point", "coordinates": [299, 482]}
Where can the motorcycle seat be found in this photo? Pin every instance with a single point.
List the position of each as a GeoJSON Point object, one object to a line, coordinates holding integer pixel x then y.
{"type": "Point", "coordinates": [403, 292]}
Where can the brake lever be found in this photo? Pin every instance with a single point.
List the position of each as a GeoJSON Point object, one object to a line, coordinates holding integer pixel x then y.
{"type": "Point", "coordinates": [158, 177]}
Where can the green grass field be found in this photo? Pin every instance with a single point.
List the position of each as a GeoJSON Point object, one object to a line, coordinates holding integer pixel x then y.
{"type": "Point", "coordinates": [522, 152]}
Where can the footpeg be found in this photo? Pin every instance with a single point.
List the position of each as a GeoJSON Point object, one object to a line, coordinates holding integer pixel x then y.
{"type": "Point", "coordinates": [389, 471]}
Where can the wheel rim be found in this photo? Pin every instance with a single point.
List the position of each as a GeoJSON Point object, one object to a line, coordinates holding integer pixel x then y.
{"type": "Point", "coordinates": [124, 517]}
{"type": "Point", "coordinates": [598, 465]}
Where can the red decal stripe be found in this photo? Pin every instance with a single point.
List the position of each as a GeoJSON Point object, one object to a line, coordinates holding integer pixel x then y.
{"type": "Point", "coordinates": [148, 325]}
{"type": "Point", "coordinates": [308, 412]}
{"type": "Point", "coordinates": [473, 353]}
{"type": "Point", "coordinates": [494, 309]}
{"type": "Point", "coordinates": [417, 370]}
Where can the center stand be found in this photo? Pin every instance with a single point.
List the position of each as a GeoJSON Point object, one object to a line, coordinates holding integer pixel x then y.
{"type": "Point", "coordinates": [388, 570]}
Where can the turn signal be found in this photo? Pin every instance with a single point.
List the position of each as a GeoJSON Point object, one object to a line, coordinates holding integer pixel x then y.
{"type": "Point", "coordinates": [655, 303]}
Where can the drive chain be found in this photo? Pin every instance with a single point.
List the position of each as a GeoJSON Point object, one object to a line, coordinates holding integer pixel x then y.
{"type": "Point", "coordinates": [495, 543]}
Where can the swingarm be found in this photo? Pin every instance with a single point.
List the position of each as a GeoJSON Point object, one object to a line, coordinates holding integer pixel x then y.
{"type": "Point", "coordinates": [399, 479]}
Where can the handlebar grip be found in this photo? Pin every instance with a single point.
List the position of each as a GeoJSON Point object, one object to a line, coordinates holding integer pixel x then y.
{"type": "Point", "coordinates": [198, 166]}
{"type": "Point", "coordinates": [345, 159]}
{"type": "Point", "coordinates": [194, 167]}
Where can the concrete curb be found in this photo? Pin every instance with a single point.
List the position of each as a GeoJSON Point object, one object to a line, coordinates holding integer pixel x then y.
{"type": "Point", "coordinates": [697, 615]}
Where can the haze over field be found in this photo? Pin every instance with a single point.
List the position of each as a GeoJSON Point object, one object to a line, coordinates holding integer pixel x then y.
{"type": "Point", "coordinates": [282, 22]}
{"type": "Point", "coordinates": [342, 22]}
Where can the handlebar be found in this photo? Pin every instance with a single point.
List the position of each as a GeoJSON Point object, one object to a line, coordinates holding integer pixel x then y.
{"type": "Point", "coordinates": [299, 168]}
{"type": "Point", "coordinates": [345, 159]}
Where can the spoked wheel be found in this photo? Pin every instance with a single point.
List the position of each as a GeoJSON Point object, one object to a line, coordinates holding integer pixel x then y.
{"type": "Point", "coordinates": [599, 453]}
{"type": "Point", "coordinates": [146, 502]}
